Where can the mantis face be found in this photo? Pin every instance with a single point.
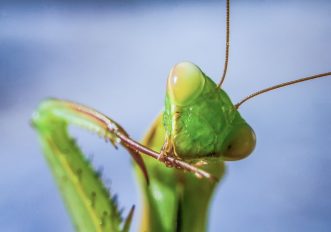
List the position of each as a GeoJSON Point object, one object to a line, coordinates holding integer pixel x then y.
{"type": "Point", "coordinates": [200, 119]}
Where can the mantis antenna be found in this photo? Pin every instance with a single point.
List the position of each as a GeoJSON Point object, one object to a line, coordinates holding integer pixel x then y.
{"type": "Point", "coordinates": [227, 46]}
{"type": "Point", "coordinates": [227, 43]}
{"type": "Point", "coordinates": [280, 86]}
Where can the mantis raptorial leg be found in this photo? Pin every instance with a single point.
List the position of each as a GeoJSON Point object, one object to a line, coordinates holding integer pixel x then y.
{"type": "Point", "coordinates": [84, 193]}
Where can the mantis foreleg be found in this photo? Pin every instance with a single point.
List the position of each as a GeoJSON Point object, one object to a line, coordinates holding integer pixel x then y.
{"type": "Point", "coordinates": [91, 206]}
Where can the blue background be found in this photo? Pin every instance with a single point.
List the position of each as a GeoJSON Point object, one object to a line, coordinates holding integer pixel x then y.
{"type": "Point", "coordinates": [116, 57]}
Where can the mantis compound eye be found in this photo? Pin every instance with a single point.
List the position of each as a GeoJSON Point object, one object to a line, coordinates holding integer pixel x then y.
{"type": "Point", "coordinates": [240, 144]}
{"type": "Point", "coordinates": [185, 83]}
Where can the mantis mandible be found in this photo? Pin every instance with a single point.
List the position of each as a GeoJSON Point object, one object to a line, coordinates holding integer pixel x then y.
{"type": "Point", "coordinates": [186, 136]}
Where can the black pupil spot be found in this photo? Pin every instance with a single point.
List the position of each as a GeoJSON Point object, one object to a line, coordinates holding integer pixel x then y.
{"type": "Point", "coordinates": [229, 147]}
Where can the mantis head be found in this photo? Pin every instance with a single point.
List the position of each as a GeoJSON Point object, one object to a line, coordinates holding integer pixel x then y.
{"type": "Point", "coordinates": [200, 119]}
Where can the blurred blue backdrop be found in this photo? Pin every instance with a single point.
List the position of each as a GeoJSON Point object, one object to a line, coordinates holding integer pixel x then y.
{"type": "Point", "coordinates": [116, 57]}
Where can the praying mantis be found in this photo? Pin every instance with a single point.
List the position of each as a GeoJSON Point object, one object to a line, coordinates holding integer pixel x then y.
{"type": "Point", "coordinates": [166, 209]}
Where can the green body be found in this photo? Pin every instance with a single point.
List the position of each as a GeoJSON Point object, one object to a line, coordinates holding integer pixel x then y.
{"type": "Point", "coordinates": [174, 200]}
{"type": "Point", "coordinates": [199, 125]}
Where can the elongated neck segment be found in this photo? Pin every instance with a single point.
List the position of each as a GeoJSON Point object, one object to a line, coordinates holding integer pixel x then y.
{"type": "Point", "coordinates": [175, 201]}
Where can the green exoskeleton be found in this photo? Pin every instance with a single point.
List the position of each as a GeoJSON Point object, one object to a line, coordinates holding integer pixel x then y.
{"type": "Point", "coordinates": [199, 129]}
{"type": "Point", "coordinates": [200, 125]}
{"type": "Point", "coordinates": [187, 130]}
